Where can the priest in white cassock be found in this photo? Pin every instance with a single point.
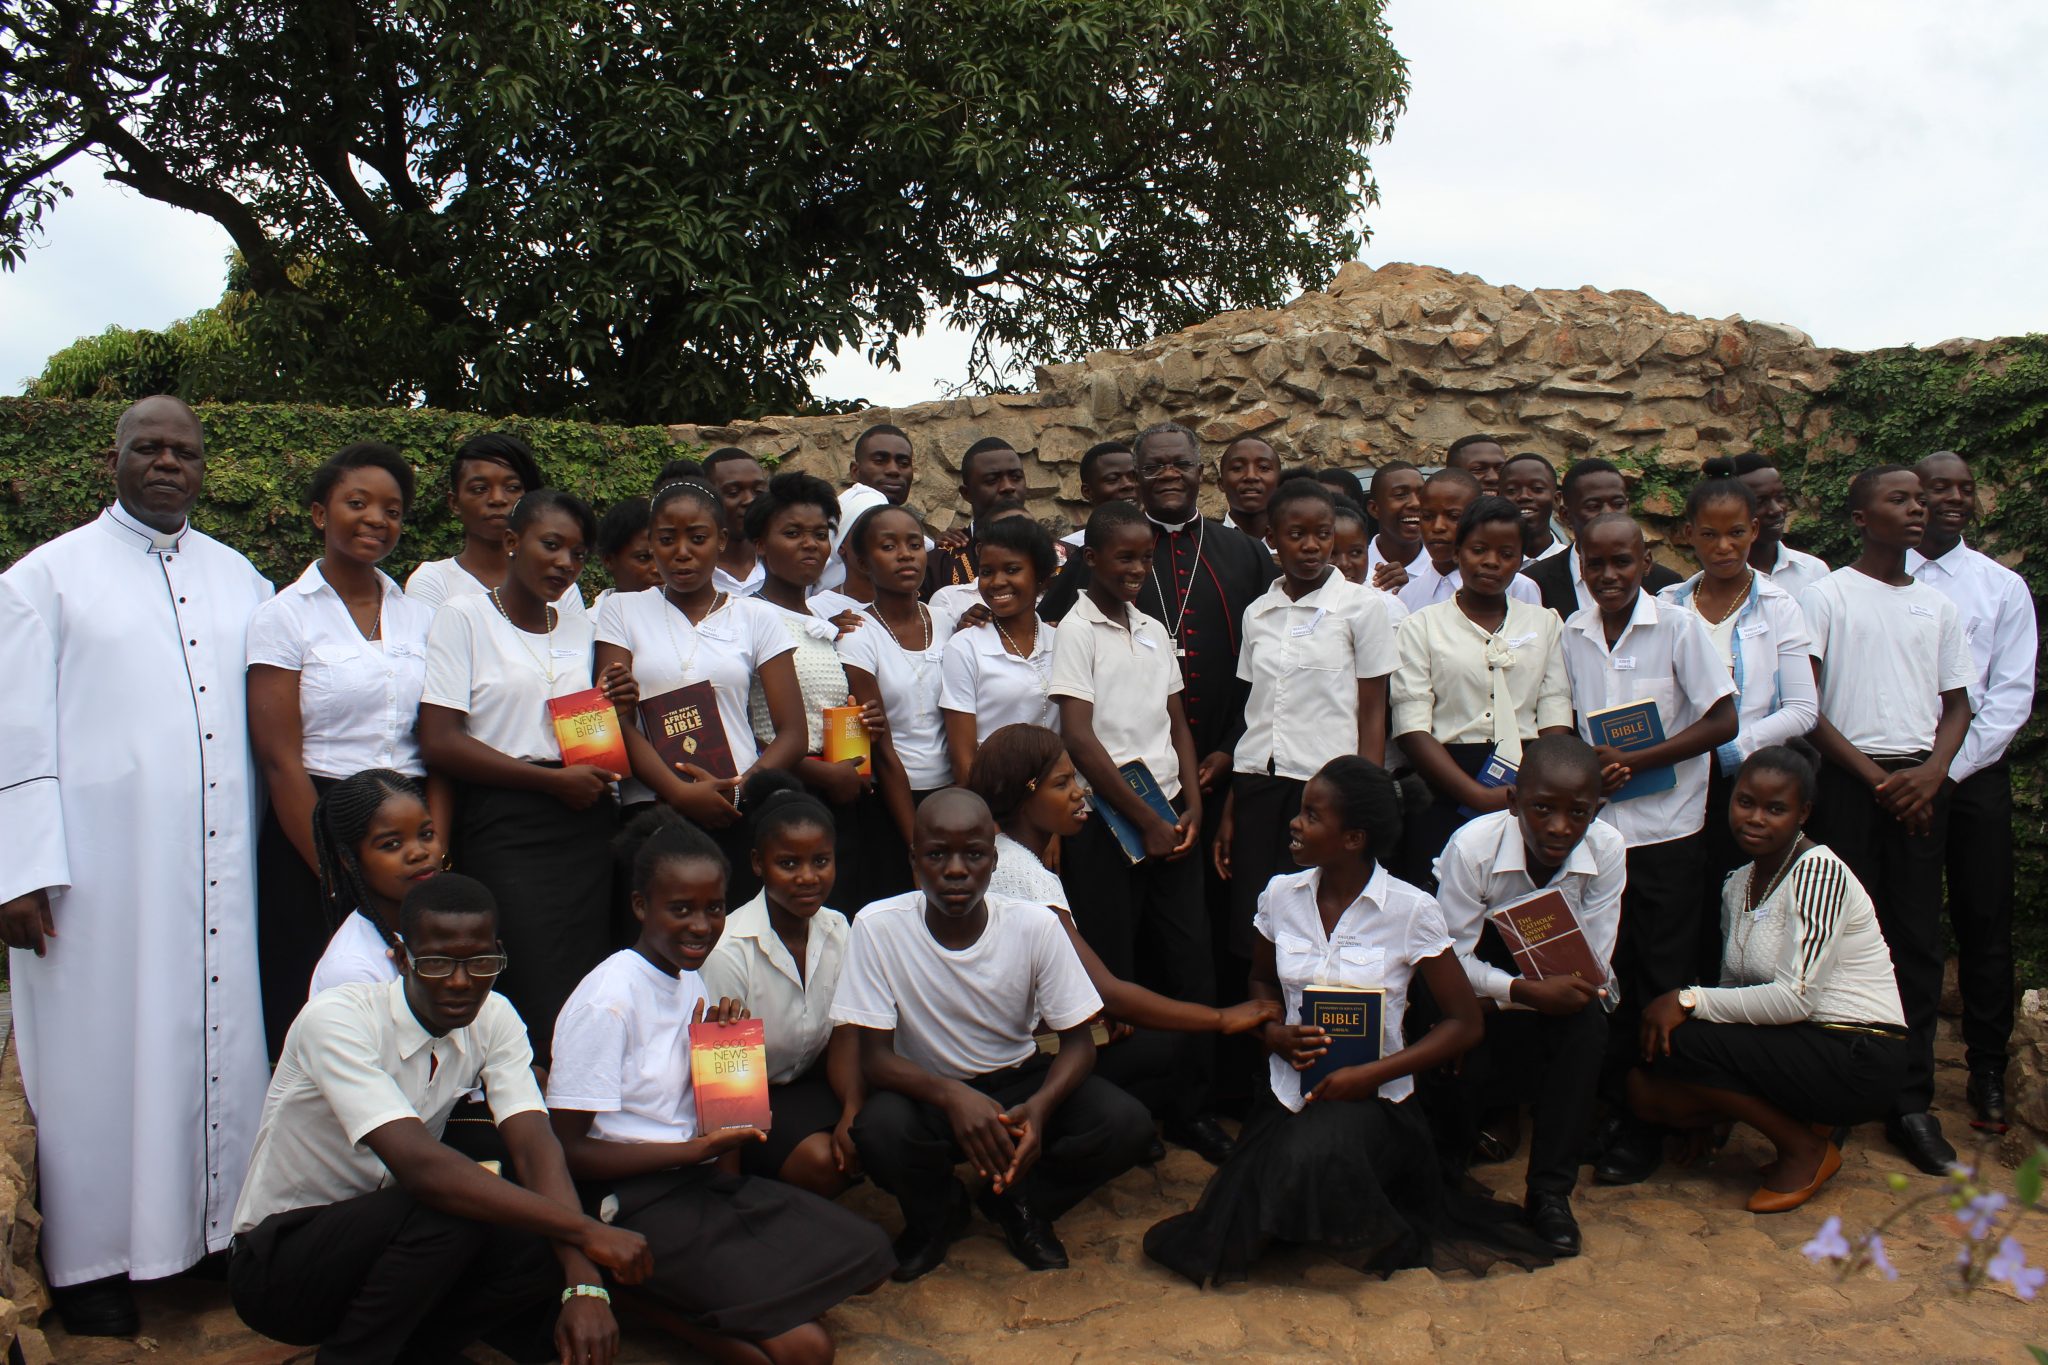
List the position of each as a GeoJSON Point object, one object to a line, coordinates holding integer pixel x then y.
{"type": "Point", "coordinates": [128, 815]}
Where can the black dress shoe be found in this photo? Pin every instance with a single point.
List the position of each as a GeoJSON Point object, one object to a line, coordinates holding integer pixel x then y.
{"type": "Point", "coordinates": [1028, 1232]}
{"type": "Point", "coordinates": [1986, 1092]}
{"type": "Point", "coordinates": [1203, 1136]}
{"type": "Point", "coordinates": [1550, 1216]}
{"type": "Point", "coordinates": [1632, 1156]}
{"type": "Point", "coordinates": [1154, 1153]}
{"type": "Point", "coordinates": [98, 1308]}
{"type": "Point", "coordinates": [1919, 1137]}
{"type": "Point", "coordinates": [919, 1253]}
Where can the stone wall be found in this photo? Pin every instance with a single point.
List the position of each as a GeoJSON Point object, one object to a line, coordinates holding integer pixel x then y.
{"type": "Point", "coordinates": [1390, 363]}
{"type": "Point", "coordinates": [23, 1299]}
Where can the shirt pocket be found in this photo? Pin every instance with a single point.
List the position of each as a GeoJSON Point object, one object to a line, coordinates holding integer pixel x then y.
{"type": "Point", "coordinates": [332, 670]}
{"type": "Point", "coordinates": [1327, 647]}
{"type": "Point", "coordinates": [1297, 959]}
{"type": "Point", "coordinates": [1356, 964]}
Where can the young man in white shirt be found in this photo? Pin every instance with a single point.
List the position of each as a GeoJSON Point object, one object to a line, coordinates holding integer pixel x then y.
{"type": "Point", "coordinates": [881, 474]}
{"type": "Point", "coordinates": [1629, 647]}
{"type": "Point", "coordinates": [1434, 577]}
{"type": "Point", "coordinates": [1998, 623]}
{"type": "Point", "coordinates": [1545, 1039]}
{"type": "Point", "coordinates": [1528, 481]}
{"type": "Point", "coordinates": [1109, 473]}
{"type": "Point", "coordinates": [1894, 673]}
{"type": "Point", "coordinates": [358, 1230]}
{"type": "Point", "coordinates": [1395, 502]}
{"type": "Point", "coordinates": [1793, 570]}
{"type": "Point", "coordinates": [1248, 474]}
{"type": "Point", "coordinates": [945, 985]}
{"type": "Point", "coordinates": [738, 479]}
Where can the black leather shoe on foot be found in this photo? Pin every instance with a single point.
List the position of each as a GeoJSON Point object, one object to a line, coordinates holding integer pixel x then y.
{"type": "Point", "coordinates": [1986, 1093]}
{"type": "Point", "coordinates": [1632, 1155]}
{"type": "Point", "coordinates": [98, 1308]}
{"type": "Point", "coordinates": [920, 1253]}
{"type": "Point", "coordinates": [1154, 1154]}
{"type": "Point", "coordinates": [1919, 1137]}
{"type": "Point", "coordinates": [1029, 1234]}
{"type": "Point", "coordinates": [1550, 1216]}
{"type": "Point", "coordinates": [1204, 1137]}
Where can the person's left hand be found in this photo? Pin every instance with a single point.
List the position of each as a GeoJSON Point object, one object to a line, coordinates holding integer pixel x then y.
{"type": "Point", "coordinates": [955, 539]}
{"type": "Point", "coordinates": [1211, 770]}
{"type": "Point", "coordinates": [1660, 1017]}
{"type": "Point", "coordinates": [976, 615]}
{"type": "Point", "coordinates": [1613, 777]}
{"type": "Point", "coordinates": [1909, 792]}
{"type": "Point", "coordinates": [874, 717]}
{"type": "Point", "coordinates": [1024, 1125]}
{"type": "Point", "coordinates": [620, 687]}
{"type": "Point", "coordinates": [1345, 1083]}
{"type": "Point", "coordinates": [845, 1156]}
{"type": "Point", "coordinates": [586, 1333]}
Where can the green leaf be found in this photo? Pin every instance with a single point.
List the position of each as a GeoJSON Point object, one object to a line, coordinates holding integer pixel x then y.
{"type": "Point", "coordinates": [2026, 1181]}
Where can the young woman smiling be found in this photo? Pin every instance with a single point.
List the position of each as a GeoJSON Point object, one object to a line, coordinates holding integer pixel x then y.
{"type": "Point", "coordinates": [1000, 672]}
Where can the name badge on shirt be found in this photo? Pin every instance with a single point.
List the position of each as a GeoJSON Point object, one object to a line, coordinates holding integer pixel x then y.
{"type": "Point", "coordinates": [1624, 662]}
{"type": "Point", "coordinates": [1146, 641]}
{"type": "Point", "coordinates": [1919, 610]}
{"type": "Point", "coordinates": [1752, 630]}
{"type": "Point", "coordinates": [1518, 641]}
{"type": "Point", "coordinates": [1308, 627]}
{"type": "Point", "coordinates": [566, 653]}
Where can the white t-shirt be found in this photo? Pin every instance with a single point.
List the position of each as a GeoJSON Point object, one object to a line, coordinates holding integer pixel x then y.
{"type": "Point", "coordinates": [752, 964]}
{"type": "Point", "coordinates": [953, 602]}
{"type": "Point", "coordinates": [909, 684]}
{"type": "Point", "coordinates": [1887, 654]}
{"type": "Point", "coordinates": [440, 581]}
{"type": "Point", "coordinates": [966, 1013]}
{"type": "Point", "coordinates": [622, 1051]}
{"type": "Point", "coordinates": [358, 699]}
{"type": "Point", "coordinates": [1127, 675]}
{"type": "Point", "coordinates": [726, 648]}
{"type": "Point", "coordinates": [480, 664]}
{"type": "Point", "coordinates": [1020, 876]}
{"type": "Point", "coordinates": [981, 678]}
{"type": "Point", "coordinates": [1378, 940]}
{"type": "Point", "coordinates": [357, 952]}
{"type": "Point", "coordinates": [1304, 659]}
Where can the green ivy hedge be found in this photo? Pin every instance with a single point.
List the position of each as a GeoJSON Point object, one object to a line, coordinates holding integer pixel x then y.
{"type": "Point", "coordinates": [260, 458]}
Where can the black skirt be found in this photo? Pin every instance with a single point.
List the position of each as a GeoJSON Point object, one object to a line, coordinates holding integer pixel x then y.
{"type": "Point", "coordinates": [1812, 1072]}
{"type": "Point", "coordinates": [550, 870]}
{"type": "Point", "coordinates": [797, 1109]}
{"type": "Point", "coordinates": [1262, 808]}
{"type": "Point", "coordinates": [745, 1257]}
{"type": "Point", "coordinates": [291, 925]}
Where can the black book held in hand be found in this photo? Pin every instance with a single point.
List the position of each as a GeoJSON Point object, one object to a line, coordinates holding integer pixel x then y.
{"type": "Point", "coordinates": [1353, 1017]}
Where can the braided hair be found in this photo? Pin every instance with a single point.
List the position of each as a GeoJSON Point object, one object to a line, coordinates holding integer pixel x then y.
{"type": "Point", "coordinates": [341, 820]}
{"type": "Point", "coordinates": [776, 800]}
{"type": "Point", "coordinates": [658, 835]}
{"type": "Point", "coordinates": [1368, 799]}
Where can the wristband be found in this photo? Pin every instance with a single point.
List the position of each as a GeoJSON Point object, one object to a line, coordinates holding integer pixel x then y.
{"type": "Point", "coordinates": [586, 1291]}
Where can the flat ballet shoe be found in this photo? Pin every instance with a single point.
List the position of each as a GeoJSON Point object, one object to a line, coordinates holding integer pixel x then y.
{"type": "Point", "coordinates": [1779, 1201]}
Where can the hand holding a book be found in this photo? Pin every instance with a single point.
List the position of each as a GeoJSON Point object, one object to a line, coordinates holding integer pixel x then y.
{"type": "Point", "coordinates": [1247, 1016]}
{"type": "Point", "coordinates": [1346, 1083]}
{"type": "Point", "coordinates": [979, 1128]}
{"type": "Point", "coordinates": [1614, 769]}
{"type": "Point", "coordinates": [580, 786]}
{"type": "Point", "coordinates": [1183, 832]}
{"type": "Point", "coordinates": [1298, 1045]}
{"type": "Point", "coordinates": [619, 686]}
{"type": "Point", "coordinates": [1554, 995]}
{"type": "Point", "coordinates": [1660, 1017]}
{"type": "Point", "coordinates": [707, 798]}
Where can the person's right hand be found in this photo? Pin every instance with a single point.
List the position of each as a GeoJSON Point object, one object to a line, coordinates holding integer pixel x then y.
{"type": "Point", "coordinates": [1226, 829]}
{"type": "Point", "coordinates": [580, 786]}
{"type": "Point", "coordinates": [1388, 576]}
{"type": "Point", "coordinates": [838, 783]}
{"type": "Point", "coordinates": [25, 922]}
{"type": "Point", "coordinates": [1247, 1015]}
{"type": "Point", "coordinates": [707, 800]}
{"type": "Point", "coordinates": [1613, 777]}
{"type": "Point", "coordinates": [1161, 839]}
{"type": "Point", "coordinates": [719, 1141]}
{"type": "Point", "coordinates": [978, 1127]}
{"type": "Point", "coordinates": [1298, 1045]}
{"type": "Point", "coordinates": [619, 1250]}
{"type": "Point", "coordinates": [1555, 994]}
{"type": "Point", "coordinates": [586, 1333]}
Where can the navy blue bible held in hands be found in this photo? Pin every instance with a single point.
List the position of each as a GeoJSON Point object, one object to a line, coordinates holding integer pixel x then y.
{"type": "Point", "coordinates": [1352, 1016]}
{"type": "Point", "coordinates": [1635, 725]}
{"type": "Point", "coordinates": [1140, 780]}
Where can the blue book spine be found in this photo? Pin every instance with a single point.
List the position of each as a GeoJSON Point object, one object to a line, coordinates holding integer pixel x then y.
{"type": "Point", "coordinates": [1634, 726]}
{"type": "Point", "coordinates": [1140, 780]}
{"type": "Point", "coordinates": [1353, 1017]}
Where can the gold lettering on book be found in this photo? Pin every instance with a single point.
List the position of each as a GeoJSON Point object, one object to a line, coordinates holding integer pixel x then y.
{"type": "Point", "coordinates": [681, 721]}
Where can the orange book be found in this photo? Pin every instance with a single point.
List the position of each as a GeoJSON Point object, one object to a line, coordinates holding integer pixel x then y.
{"type": "Point", "coordinates": [729, 1073]}
{"type": "Point", "coordinates": [587, 728]}
{"type": "Point", "coordinates": [845, 736]}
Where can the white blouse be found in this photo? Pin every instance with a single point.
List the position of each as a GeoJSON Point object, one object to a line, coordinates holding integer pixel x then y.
{"type": "Point", "coordinates": [752, 964]}
{"type": "Point", "coordinates": [1304, 659]}
{"type": "Point", "coordinates": [1451, 671]}
{"type": "Point", "coordinates": [1020, 876]}
{"type": "Point", "coordinates": [440, 581]}
{"type": "Point", "coordinates": [983, 679]}
{"type": "Point", "coordinates": [909, 683]}
{"type": "Point", "coordinates": [358, 699]}
{"type": "Point", "coordinates": [501, 677]}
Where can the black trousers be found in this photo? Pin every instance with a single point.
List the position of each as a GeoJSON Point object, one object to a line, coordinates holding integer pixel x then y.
{"type": "Point", "coordinates": [1552, 1064]}
{"type": "Point", "coordinates": [1723, 855]}
{"type": "Point", "coordinates": [1162, 1070]}
{"type": "Point", "coordinates": [1657, 947]}
{"type": "Point", "coordinates": [1980, 888]}
{"type": "Point", "coordinates": [1258, 847]}
{"type": "Point", "coordinates": [291, 925]}
{"type": "Point", "coordinates": [1902, 873]}
{"type": "Point", "coordinates": [381, 1277]}
{"type": "Point", "coordinates": [1098, 1133]}
{"type": "Point", "coordinates": [1147, 921]}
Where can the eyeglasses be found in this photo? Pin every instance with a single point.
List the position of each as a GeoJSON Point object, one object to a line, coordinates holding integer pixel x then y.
{"type": "Point", "coordinates": [439, 968]}
{"type": "Point", "coordinates": [1159, 469]}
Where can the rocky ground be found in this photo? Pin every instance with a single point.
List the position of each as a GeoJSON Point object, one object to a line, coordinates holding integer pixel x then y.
{"type": "Point", "coordinates": [1673, 1268]}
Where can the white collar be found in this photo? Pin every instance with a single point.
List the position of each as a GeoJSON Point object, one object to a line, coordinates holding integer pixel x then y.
{"type": "Point", "coordinates": [156, 540]}
{"type": "Point", "coordinates": [313, 582]}
{"type": "Point", "coordinates": [1644, 614]}
{"type": "Point", "coordinates": [1275, 598]}
{"type": "Point", "coordinates": [1512, 855]}
{"type": "Point", "coordinates": [1374, 893]}
{"type": "Point", "coordinates": [1172, 527]}
{"type": "Point", "coordinates": [1916, 561]}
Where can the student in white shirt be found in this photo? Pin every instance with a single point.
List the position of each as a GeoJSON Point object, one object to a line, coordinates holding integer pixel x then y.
{"type": "Point", "coordinates": [1528, 481]}
{"type": "Point", "coordinates": [1446, 496]}
{"type": "Point", "coordinates": [737, 1259]}
{"type": "Point", "coordinates": [1626, 648]}
{"type": "Point", "coordinates": [1351, 551]}
{"type": "Point", "coordinates": [373, 840]}
{"type": "Point", "coordinates": [487, 476]}
{"type": "Point", "coordinates": [336, 665]}
{"type": "Point", "coordinates": [1249, 475]}
{"type": "Point", "coordinates": [881, 474]}
{"type": "Point", "coordinates": [359, 1231]}
{"type": "Point", "coordinates": [1545, 1038]}
{"type": "Point", "coordinates": [1760, 636]}
{"type": "Point", "coordinates": [1000, 672]}
{"type": "Point", "coordinates": [1347, 1165]}
{"type": "Point", "coordinates": [1793, 570]}
{"type": "Point", "coordinates": [623, 550]}
{"type": "Point", "coordinates": [1109, 473]}
{"type": "Point", "coordinates": [946, 984]}
{"type": "Point", "coordinates": [738, 479]}
{"type": "Point", "coordinates": [1803, 1033]}
{"type": "Point", "coordinates": [780, 956]}
{"type": "Point", "coordinates": [1395, 503]}
{"type": "Point", "coordinates": [1997, 611]}
{"type": "Point", "coordinates": [691, 631]}
{"type": "Point", "coordinates": [1479, 676]}
{"type": "Point", "coordinates": [538, 834]}
{"type": "Point", "coordinates": [1318, 650]}
{"type": "Point", "coordinates": [1894, 672]}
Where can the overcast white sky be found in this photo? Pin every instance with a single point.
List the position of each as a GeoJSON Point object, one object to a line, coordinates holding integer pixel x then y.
{"type": "Point", "coordinates": [1873, 172]}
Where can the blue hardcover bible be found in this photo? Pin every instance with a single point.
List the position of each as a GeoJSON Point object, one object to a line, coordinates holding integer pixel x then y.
{"type": "Point", "coordinates": [1494, 772]}
{"type": "Point", "coordinates": [1140, 780]}
{"type": "Point", "coordinates": [1353, 1017]}
{"type": "Point", "coordinates": [1635, 725]}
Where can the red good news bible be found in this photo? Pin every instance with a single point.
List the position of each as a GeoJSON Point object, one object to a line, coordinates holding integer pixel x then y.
{"type": "Point", "coordinates": [1545, 937]}
{"type": "Point", "coordinates": [587, 729]}
{"type": "Point", "coordinates": [684, 727]}
{"type": "Point", "coordinates": [729, 1073]}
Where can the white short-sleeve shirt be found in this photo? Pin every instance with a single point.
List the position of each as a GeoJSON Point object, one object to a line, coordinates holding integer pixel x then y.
{"type": "Point", "coordinates": [966, 1013]}
{"type": "Point", "coordinates": [358, 699]}
{"type": "Point", "coordinates": [752, 964]}
{"type": "Point", "coordinates": [440, 581]}
{"type": "Point", "coordinates": [1304, 658]}
{"type": "Point", "coordinates": [356, 1059]}
{"type": "Point", "coordinates": [356, 952]}
{"type": "Point", "coordinates": [982, 679]}
{"type": "Point", "coordinates": [1126, 674]}
{"type": "Point", "coordinates": [1379, 939]}
{"type": "Point", "coordinates": [1795, 570]}
{"type": "Point", "coordinates": [909, 682]}
{"type": "Point", "coordinates": [622, 1051]}
{"type": "Point", "coordinates": [1887, 654]}
{"type": "Point", "coordinates": [482, 665]}
{"type": "Point", "coordinates": [1663, 655]}
{"type": "Point", "coordinates": [726, 648]}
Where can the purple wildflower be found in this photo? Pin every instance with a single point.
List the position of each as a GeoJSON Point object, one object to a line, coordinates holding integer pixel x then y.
{"type": "Point", "coordinates": [2010, 1267]}
{"type": "Point", "coordinates": [1980, 1215]}
{"type": "Point", "coordinates": [1828, 1244]}
{"type": "Point", "coordinates": [1873, 1247]}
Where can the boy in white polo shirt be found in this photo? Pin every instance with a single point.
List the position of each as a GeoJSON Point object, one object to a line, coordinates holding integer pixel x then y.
{"type": "Point", "coordinates": [1894, 673]}
{"type": "Point", "coordinates": [1628, 647]}
{"type": "Point", "coordinates": [945, 985]}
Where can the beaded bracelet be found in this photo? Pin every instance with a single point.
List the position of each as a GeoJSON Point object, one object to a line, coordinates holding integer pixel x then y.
{"type": "Point", "coordinates": [586, 1291]}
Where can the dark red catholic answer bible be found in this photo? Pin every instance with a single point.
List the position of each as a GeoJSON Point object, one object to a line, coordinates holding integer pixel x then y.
{"type": "Point", "coordinates": [1545, 937]}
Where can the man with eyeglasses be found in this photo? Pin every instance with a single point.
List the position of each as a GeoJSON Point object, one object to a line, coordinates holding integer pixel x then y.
{"type": "Point", "coordinates": [359, 1231]}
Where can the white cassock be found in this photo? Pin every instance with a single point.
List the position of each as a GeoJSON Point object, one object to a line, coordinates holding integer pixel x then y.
{"type": "Point", "coordinates": [125, 783]}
